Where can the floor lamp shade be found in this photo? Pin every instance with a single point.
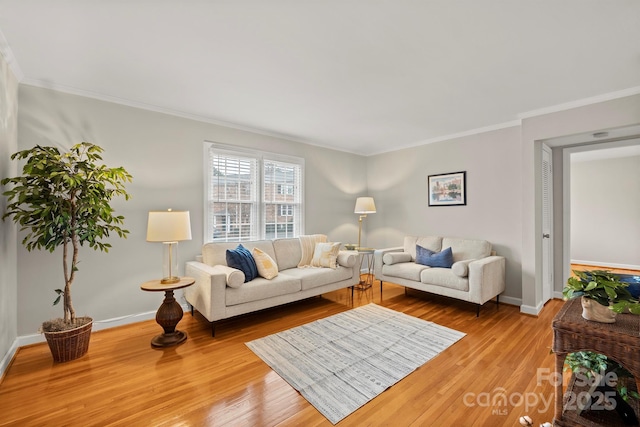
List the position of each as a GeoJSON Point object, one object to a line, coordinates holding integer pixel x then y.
{"type": "Point", "coordinates": [169, 227]}
{"type": "Point", "coordinates": [364, 206]}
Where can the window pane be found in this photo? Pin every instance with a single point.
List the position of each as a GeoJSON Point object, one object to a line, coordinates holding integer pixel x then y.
{"type": "Point", "coordinates": [232, 196]}
{"type": "Point", "coordinates": [252, 195]}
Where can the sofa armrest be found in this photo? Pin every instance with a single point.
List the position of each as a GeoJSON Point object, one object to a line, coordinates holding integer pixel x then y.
{"type": "Point", "coordinates": [207, 294]}
{"type": "Point", "coordinates": [486, 278]}
{"type": "Point", "coordinates": [377, 259]}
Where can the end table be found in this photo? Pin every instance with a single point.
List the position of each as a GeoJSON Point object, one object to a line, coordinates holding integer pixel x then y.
{"type": "Point", "coordinates": [170, 312]}
{"type": "Point", "coordinates": [366, 260]}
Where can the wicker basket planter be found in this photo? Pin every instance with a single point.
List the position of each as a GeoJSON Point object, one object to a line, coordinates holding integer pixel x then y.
{"type": "Point", "coordinates": [71, 344]}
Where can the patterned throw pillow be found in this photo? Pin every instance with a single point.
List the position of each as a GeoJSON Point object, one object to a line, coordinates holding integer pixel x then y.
{"type": "Point", "coordinates": [242, 259]}
{"type": "Point", "coordinates": [267, 267]}
{"type": "Point", "coordinates": [308, 246]}
{"type": "Point", "coordinates": [427, 257]}
{"type": "Point", "coordinates": [326, 255]}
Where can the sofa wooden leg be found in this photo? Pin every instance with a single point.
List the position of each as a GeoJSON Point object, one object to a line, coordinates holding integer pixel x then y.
{"type": "Point", "coordinates": [191, 310]}
{"type": "Point", "coordinates": [478, 310]}
{"type": "Point", "coordinates": [213, 329]}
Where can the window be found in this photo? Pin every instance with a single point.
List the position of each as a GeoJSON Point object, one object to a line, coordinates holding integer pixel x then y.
{"type": "Point", "coordinates": [252, 195]}
{"type": "Point", "coordinates": [286, 210]}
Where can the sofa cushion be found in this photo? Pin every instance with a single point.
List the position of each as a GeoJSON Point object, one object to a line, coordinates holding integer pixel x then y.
{"type": "Point", "coordinates": [467, 248]}
{"type": "Point", "coordinates": [461, 268]}
{"type": "Point", "coordinates": [287, 253]}
{"type": "Point", "coordinates": [432, 243]}
{"type": "Point", "coordinates": [391, 258]}
{"type": "Point", "coordinates": [442, 259]}
{"type": "Point", "coordinates": [444, 277]}
{"type": "Point", "coordinates": [242, 259]}
{"type": "Point", "coordinates": [267, 267]}
{"type": "Point", "coordinates": [405, 270]}
{"type": "Point", "coordinates": [308, 246]}
{"type": "Point", "coordinates": [326, 255]}
{"type": "Point", "coordinates": [261, 288]}
{"type": "Point", "coordinates": [316, 277]}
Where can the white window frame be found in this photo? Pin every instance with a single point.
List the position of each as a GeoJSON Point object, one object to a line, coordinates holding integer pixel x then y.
{"type": "Point", "coordinates": [258, 227]}
{"type": "Point", "coordinates": [285, 210]}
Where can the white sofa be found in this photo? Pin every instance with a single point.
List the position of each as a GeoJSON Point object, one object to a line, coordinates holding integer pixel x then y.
{"type": "Point", "coordinates": [215, 300]}
{"type": "Point", "coordinates": [477, 274]}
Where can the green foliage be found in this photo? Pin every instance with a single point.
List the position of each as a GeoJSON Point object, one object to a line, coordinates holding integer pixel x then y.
{"type": "Point", "coordinates": [590, 363]}
{"type": "Point", "coordinates": [603, 287]}
{"type": "Point", "coordinates": [63, 199]}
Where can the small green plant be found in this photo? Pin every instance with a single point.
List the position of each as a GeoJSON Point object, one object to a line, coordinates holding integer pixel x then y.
{"type": "Point", "coordinates": [591, 363]}
{"type": "Point", "coordinates": [63, 199]}
{"type": "Point", "coordinates": [604, 287]}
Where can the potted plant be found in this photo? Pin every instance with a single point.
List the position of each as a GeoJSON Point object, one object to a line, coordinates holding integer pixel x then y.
{"type": "Point", "coordinates": [63, 200]}
{"type": "Point", "coordinates": [603, 295]}
{"type": "Point", "coordinates": [610, 385]}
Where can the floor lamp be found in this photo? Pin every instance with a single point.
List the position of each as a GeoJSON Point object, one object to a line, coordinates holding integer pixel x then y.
{"type": "Point", "coordinates": [364, 206]}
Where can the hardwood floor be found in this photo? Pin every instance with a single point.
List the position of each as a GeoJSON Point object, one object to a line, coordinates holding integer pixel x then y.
{"type": "Point", "coordinates": [494, 375]}
{"type": "Point", "coordinates": [582, 267]}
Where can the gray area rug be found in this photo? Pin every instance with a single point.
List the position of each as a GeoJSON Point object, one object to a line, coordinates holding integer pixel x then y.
{"type": "Point", "coordinates": [343, 361]}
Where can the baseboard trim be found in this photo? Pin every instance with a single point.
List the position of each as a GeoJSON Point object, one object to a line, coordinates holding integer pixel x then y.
{"type": "Point", "coordinates": [510, 300]}
{"type": "Point", "coordinates": [98, 325]}
{"type": "Point", "coordinates": [6, 360]}
{"type": "Point", "coordinates": [531, 310]}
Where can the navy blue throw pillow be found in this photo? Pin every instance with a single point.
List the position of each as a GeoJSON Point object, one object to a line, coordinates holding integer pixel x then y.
{"type": "Point", "coordinates": [242, 259]}
{"type": "Point", "coordinates": [442, 259]}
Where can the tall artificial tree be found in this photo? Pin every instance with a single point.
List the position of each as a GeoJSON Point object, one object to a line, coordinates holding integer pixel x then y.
{"type": "Point", "coordinates": [63, 199]}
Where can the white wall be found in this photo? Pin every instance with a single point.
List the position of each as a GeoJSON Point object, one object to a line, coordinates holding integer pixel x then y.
{"type": "Point", "coordinates": [605, 212]}
{"type": "Point", "coordinates": [595, 117]}
{"type": "Point", "coordinates": [398, 182]}
{"type": "Point", "coordinates": [8, 245]}
{"type": "Point", "coordinates": [164, 155]}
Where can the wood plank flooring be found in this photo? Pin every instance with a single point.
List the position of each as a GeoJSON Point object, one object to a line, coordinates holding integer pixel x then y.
{"type": "Point", "coordinates": [490, 378]}
{"type": "Point", "coordinates": [582, 267]}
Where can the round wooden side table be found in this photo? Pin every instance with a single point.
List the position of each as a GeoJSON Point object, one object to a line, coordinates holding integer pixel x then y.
{"type": "Point", "coordinates": [170, 312]}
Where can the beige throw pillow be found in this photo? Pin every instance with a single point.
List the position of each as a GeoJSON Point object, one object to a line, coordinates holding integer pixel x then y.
{"type": "Point", "coordinates": [267, 267]}
{"type": "Point", "coordinates": [308, 246]}
{"type": "Point", "coordinates": [326, 255]}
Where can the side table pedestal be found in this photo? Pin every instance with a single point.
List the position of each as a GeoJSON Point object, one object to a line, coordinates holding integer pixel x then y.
{"type": "Point", "coordinates": [169, 313]}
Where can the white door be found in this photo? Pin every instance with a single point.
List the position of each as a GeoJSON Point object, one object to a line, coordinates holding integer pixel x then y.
{"type": "Point", "coordinates": [547, 224]}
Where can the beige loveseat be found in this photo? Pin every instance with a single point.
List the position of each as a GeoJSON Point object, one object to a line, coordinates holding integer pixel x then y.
{"type": "Point", "coordinates": [218, 293]}
{"type": "Point", "coordinates": [477, 274]}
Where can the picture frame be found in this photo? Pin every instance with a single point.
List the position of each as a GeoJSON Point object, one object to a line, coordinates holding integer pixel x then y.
{"type": "Point", "coordinates": [448, 189]}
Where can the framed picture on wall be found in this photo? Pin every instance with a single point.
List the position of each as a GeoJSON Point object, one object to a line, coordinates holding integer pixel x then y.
{"type": "Point", "coordinates": [449, 189]}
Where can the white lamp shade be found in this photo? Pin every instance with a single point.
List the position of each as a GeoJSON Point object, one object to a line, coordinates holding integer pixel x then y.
{"type": "Point", "coordinates": [168, 226]}
{"type": "Point", "coordinates": [365, 205]}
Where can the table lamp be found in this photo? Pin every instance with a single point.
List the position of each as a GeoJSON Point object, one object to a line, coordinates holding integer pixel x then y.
{"type": "Point", "coordinates": [364, 206]}
{"type": "Point", "coordinates": [169, 227]}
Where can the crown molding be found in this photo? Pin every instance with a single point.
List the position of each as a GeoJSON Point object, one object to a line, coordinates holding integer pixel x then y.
{"type": "Point", "coordinates": [448, 137]}
{"type": "Point", "coordinates": [177, 113]}
{"type": "Point", "coordinates": [6, 51]}
{"type": "Point", "coordinates": [581, 102]}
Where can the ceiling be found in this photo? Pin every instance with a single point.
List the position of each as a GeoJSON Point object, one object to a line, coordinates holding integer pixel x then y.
{"type": "Point", "coordinates": [363, 76]}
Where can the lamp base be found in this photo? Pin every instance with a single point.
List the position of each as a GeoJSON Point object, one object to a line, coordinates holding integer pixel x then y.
{"type": "Point", "coordinates": [169, 280]}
